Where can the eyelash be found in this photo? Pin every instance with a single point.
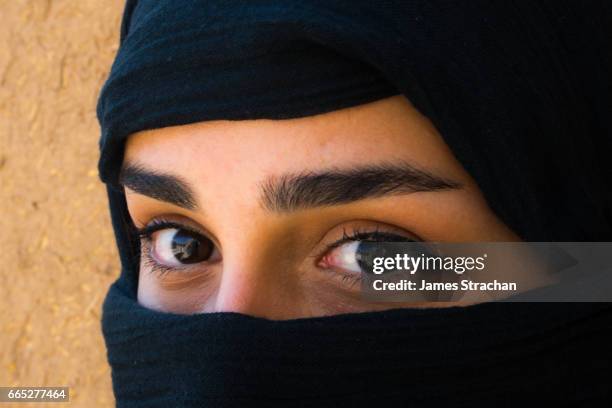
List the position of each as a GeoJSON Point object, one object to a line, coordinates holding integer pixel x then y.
{"type": "Point", "coordinates": [154, 266]}
{"type": "Point", "coordinates": [355, 234]}
{"type": "Point", "coordinates": [359, 235]}
{"type": "Point", "coordinates": [145, 235]}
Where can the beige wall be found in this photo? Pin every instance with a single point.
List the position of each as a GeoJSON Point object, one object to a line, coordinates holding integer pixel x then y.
{"type": "Point", "coordinates": [57, 252]}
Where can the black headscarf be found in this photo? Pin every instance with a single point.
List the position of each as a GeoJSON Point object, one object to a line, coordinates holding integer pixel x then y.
{"type": "Point", "coordinates": [520, 91]}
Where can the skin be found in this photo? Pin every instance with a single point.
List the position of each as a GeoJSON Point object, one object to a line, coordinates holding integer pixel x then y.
{"type": "Point", "coordinates": [280, 265]}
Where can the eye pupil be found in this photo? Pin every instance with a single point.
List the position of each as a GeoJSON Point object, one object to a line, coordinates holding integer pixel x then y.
{"type": "Point", "coordinates": [188, 248]}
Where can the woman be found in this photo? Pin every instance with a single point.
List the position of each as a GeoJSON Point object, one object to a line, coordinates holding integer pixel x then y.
{"type": "Point", "coordinates": [250, 150]}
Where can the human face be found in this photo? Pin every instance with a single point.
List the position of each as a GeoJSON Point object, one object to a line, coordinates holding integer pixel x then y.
{"type": "Point", "coordinates": [268, 212]}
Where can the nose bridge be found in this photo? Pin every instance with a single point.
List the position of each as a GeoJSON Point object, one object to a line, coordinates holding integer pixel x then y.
{"type": "Point", "coordinates": [240, 290]}
{"type": "Point", "coordinates": [257, 256]}
{"type": "Point", "coordinates": [251, 285]}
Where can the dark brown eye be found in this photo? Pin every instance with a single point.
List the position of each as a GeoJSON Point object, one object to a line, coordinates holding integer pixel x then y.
{"type": "Point", "coordinates": [175, 247]}
{"type": "Point", "coordinates": [189, 248]}
{"type": "Point", "coordinates": [356, 253]}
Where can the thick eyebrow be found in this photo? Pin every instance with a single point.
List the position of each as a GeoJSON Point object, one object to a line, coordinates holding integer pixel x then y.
{"type": "Point", "coordinates": [160, 186]}
{"type": "Point", "coordinates": [292, 192]}
{"type": "Point", "coordinates": [341, 186]}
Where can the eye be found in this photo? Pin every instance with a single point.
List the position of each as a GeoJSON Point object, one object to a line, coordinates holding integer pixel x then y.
{"type": "Point", "coordinates": [174, 247]}
{"type": "Point", "coordinates": [355, 254]}
{"type": "Point", "coordinates": [170, 245]}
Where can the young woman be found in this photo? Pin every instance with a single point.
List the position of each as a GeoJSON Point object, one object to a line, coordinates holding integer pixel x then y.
{"type": "Point", "coordinates": [253, 150]}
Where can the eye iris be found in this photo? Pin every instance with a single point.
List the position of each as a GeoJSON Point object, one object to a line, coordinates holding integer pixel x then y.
{"type": "Point", "coordinates": [188, 248]}
{"type": "Point", "coordinates": [367, 251]}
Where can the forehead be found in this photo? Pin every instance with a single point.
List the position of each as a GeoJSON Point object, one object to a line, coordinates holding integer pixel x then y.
{"type": "Point", "coordinates": [384, 130]}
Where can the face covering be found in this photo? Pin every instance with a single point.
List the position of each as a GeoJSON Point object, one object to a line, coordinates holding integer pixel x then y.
{"type": "Point", "coordinates": [516, 89]}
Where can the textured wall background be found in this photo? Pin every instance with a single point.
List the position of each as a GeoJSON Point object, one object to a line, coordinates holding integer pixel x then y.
{"type": "Point", "coordinates": [57, 252]}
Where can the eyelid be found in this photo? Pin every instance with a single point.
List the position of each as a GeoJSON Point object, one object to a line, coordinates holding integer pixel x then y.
{"type": "Point", "coordinates": [163, 222]}
{"type": "Point", "coordinates": [358, 233]}
{"type": "Point", "coordinates": [362, 236]}
{"type": "Point", "coordinates": [160, 224]}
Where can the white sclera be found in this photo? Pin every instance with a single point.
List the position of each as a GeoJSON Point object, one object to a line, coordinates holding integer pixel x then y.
{"type": "Point", "coordinates": [345, 257]}
{"type": "Point", "coordinates": [162, 249]}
